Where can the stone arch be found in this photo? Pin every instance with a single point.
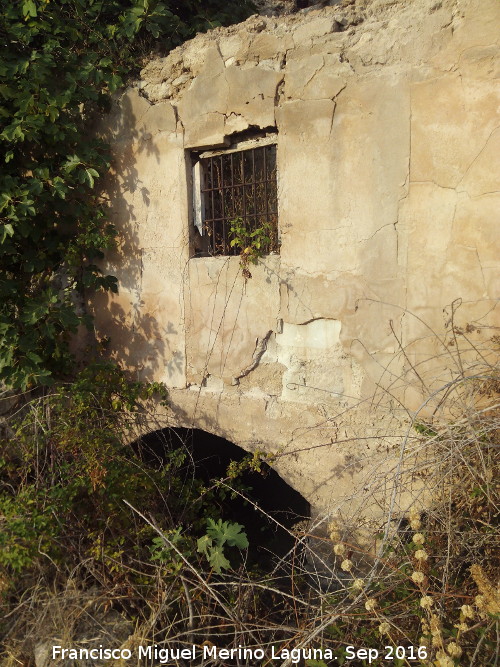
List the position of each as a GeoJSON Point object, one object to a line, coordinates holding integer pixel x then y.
{"type": "Point", "coordinates": [269, 508]}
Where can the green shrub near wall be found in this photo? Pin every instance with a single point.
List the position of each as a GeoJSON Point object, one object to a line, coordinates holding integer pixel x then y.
{"type": "Point", "coordinates": [59, 63]}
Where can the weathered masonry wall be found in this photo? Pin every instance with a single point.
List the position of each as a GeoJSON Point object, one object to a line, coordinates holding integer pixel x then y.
{"type": "Point", "coordinates": [388, 149]}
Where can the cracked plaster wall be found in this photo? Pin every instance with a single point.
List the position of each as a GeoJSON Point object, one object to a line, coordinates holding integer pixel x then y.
{"type": "Point", "coordinates": [388, 160]}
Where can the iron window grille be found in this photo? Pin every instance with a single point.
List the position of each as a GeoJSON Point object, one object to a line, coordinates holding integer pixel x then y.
{"type": "Point", "coordinates": [236, 184]}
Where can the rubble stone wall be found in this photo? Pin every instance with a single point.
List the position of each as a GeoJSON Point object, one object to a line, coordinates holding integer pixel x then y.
{"type": "Point", "coordinates": [388, 150]}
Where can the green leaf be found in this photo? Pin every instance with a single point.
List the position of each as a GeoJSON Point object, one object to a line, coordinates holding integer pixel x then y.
{"type": "Point", "coordinates": [7, 230]}
{"type": "Point", "coordinates": [223, 531]}
{"type": "Point", "coordinates": [60, 187]}
{"type": "Point", "coordinates": [35, 358]}
{"type": "Point", "coordinates": [71, 163]}
{"type": "Point", "coordinates": [217, 560]}
{"type": "Point", "coordinates": [204, 544]}
{"type": "Point", "coordinates": [29, 8]}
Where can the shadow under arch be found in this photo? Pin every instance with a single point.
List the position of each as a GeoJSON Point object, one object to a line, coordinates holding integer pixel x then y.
{"type": "Point", "coordinates": [268, 508]}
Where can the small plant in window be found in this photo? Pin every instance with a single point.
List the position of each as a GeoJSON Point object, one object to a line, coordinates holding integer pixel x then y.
{"type": "Point", "coordinates": [236, 188]}
{"type": "Point", "coordinates": [252, 243]}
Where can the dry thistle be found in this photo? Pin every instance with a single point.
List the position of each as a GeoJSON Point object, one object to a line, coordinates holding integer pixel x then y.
{"type": "Point", "coordinates": [489, 600]}
{"type": "Point", "coordinates": [334, 531]}
{"type": "Point", "coordinates": [426, 602]}
{"type": "Point", "coordinates": [467, 611]}
{"type": "Point", "coordinates": [384, 628]}
{"type": "Point", "coordinates": [346, 565]}
{"type": "Point", "coordinates": [442, 660]}
{"type": "Point", "coordinates": [454, 650]}
{"type": "Point", "coordinates": [414, 517]}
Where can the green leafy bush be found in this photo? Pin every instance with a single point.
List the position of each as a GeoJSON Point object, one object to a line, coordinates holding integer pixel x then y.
{"type": "Point", "coordinates": [219, 535]}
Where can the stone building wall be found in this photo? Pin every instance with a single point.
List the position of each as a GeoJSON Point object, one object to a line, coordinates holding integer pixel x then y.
{"type": "Point", "coordinates": [388, 149]}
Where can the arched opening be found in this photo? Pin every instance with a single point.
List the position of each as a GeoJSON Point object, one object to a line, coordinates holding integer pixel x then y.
{"type": "Point", "coordinates": [267, 507]}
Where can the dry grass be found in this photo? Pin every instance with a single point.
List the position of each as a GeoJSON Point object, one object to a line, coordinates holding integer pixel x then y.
{"type": "Point", "coordinates": [433, 580]}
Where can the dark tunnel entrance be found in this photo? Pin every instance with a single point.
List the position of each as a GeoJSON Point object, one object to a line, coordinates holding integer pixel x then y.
{"type": "Point", "coordinates": [279, 507]}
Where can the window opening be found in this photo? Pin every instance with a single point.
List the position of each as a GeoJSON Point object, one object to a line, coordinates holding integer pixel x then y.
{"type": "Point", "coordinates": [236, 184]}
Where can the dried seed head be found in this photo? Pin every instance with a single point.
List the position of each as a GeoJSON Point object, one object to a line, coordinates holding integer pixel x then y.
{"type": "Point", "coordinates": [489, 600]}
{"type": "Point", "coordinates": [339, 549]}
{"type": "Point", "coordinates": [480, 602]}
{"type": "Point", "coordinates": [426, 602]}
{"type": "Point", "coordinates": [435, 625]}
{"type": "Point", "coordinates": [418, 577]}
{"type": "Point", "coordinates": [414, 518]}
{"type": "Point", "coordinates": [384, 628]}
{"type": "Point", "coordinates": [370, 604]}
{"type": "Point", "coordinates": [358, 584]}
{"type": "Point", "coordinates": [414, 513]}
{"type": "Point", "coordinates": [346, 565]}
{"type": "Point", "coordinates": [442, 660]}
{"type": "Point", "coordinates": [454, 650]}
{"type": "Point", "coordinates": [418, 538]}
{"type": "Point", "coordinates": [421, 554]}
{"type": "Point", "coordinates": [467, 611]}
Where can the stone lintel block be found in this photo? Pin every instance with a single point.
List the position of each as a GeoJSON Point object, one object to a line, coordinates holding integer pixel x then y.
{"type": "Point", "coordinates": [207, 131]}
{"type": "Point", "coordinates": [207, 94]}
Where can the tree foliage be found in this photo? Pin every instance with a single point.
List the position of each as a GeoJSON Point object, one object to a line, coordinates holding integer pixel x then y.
{"type": "Point", "coordinates": [59, 63]}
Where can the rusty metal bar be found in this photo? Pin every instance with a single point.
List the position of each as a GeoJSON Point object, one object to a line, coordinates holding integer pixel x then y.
{"type": "Point", "coordinates": [221, 191]}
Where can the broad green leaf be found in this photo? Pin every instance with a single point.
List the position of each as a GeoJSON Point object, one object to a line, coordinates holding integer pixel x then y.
{"type": "Point", "coordinates": [204, 544]}
{"type": "Point", "coordinates": [217, 559]}
{"type": "Point", "coordinates": [223, 531]}
{"type": "Point", "coordinates": [32, 356]}
{"type": "Point", "coordinates": [29, 8]}
{"type": "Point", "coordinates": [71, 163]}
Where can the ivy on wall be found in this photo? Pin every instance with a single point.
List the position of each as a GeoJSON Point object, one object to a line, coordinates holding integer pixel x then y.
{"type": "Point", "coordinates": [59, 63]}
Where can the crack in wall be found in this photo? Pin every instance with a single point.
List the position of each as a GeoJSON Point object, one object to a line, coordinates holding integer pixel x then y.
{"type": "Point", "coordinates": [260, 348]}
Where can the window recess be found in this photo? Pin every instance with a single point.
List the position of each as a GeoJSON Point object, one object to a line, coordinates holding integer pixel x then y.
{"type": "Point", "coordinates": [239, 183]}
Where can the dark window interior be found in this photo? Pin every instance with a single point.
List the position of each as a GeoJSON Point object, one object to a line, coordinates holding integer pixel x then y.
{"type": "Point", "coordinates": [239, 184]}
